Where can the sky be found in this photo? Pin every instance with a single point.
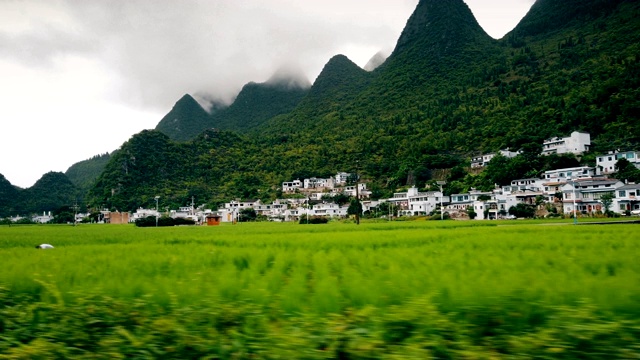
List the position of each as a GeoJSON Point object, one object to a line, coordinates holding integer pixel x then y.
{"type": "Point", "coordinates": [78, 78]}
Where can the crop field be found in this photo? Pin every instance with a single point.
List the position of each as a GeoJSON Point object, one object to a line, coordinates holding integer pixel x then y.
{"type": "Point", "coordinates": [267, 290]}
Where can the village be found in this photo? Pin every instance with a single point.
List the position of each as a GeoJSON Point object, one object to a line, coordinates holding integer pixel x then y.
{"type": "Point", "coordinates": [568, 192]}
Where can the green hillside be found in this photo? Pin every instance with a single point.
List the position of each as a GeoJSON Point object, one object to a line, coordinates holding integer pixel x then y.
{"type": "Point", "coordinates": [84, 173]}
{"type": "Point", "coordinates": [447, 91]}
{"type": "Point", "coordinates": [49, 193]}
{"type": "Point", "coordinates": [257, 103]}
{"type": "Point", "coordinates": [9, 197]}
{"type": "Point", "coordinates": [185, 120]}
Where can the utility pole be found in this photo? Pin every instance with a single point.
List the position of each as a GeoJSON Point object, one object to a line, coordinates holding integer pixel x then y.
{"type": "Point", "coordinates": [157, 197]}
{"type": "Point", "coordinates": [75, 213]}
{"type": "Point", "coordinates": [440, 183]}
{"type": "Point", "coordinates": [575, 215]}
{"type": "Point", "coordinates": [307, 210]}
{"type": "Point", "coordinates": [357, 195]}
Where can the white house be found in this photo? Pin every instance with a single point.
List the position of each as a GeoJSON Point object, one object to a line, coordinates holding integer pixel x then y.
{"type": "Point", "coordinates": [627, 198]}
{"type": "Point", "coordinates": [551, 189]}
{"type": "Point", "coordinates": [341, 178]}
{"type": "Point", "coordinates": [291, 186]}
{"type": "Point", "coordinates": [577, 143]}
{"type": "Point", "coordinates": [42, 219]}
{"type": "Point", "coordinates": [606, 164]}
{"type": "Point", "coordinates": [315, 183]}
{"type": "Point", "coordinates": [562, 175]}
{"type": "Point", "coordinates": [329, 209]}
{"type": "Point", "coordinates": [231, 210]}
{"type": "Point", "coordinates": [187, 212]}
{"type": "Point", "coordinates": [459, 202]}
{"type": "Point", "coordinates": [274, 211]}
{"type": "Point", "coordinates": [423, 203]}
{"type": "Point", "coordinates": [143, 213]}
{"type": "Point", "coordinates": [363, 193]}
{"type": "Point", "coordinates": [483, 160]}
{"type": "Point", "coordinates": [584, 195]}
{"type": "Point", "coordinates": [521, 185]}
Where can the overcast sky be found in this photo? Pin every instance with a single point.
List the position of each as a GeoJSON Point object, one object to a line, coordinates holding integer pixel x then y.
{"type": "Point", "coordinates": [80, 77]}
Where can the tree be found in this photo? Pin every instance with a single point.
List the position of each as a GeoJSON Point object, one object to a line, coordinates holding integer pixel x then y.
{"type": "Point", "coordinates": [522, 211]}
{"type": "Point", "coordinates": [386, 209]}
{"type": "Point", "coordinates": [340, 199]}
{"type": "Point", "coordinates": [247, 215]}
{"type": "Point", "coordinates": [472, 213]}
{"type": "Point", "coordinates": [607, 200]}
{"type": "Point", "coordinates": [355, 207]}
{"type": "Point", "coordinates": [498, 171]}
{"type": "Point", "coordinates": [627, 171]}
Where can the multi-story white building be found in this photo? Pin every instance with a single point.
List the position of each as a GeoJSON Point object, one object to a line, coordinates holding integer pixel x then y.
{"type": "Point", "coordinates": [483, 160]}
{"type": "Point", "coordinates": [231, 210]}
{"type": "Point", "coordinates": [423, 203]}
{"type": "Point", "coordinates": [291, 186]}
{"type": "Point", "coordinates": [459, 202]}
{"type": "Point", "coordinates": [42, 219]}
{"type": "Point", "coordinates": [363, 193]}
{"type": "Point", "coordinates": [143, 213]}
{"type": "Point", "coordinates": [606, 164]}
{"type": "Point", "coordinates": [577, 143]}
{"type": "Point", "coordinates": [185, 212]}
{"type": "Point", "coordinates": [341, 178]}
{"type": "Point", "coordinates": [274, 211]}
{"type": "Point", "coordinates": [316, 183]}
{"type": "Point", "coordinates": [521, 185]}
{"type": "Point", "coordinates": [562, 175]}
{"type": "Point", "coordinates": [584, 195]}
{"type": "Point", "coordinates": [329, 209]}
{"type": "Point", "coordinates": [627, 198]}
{"type": "Point", "coordinates": [551, 190]}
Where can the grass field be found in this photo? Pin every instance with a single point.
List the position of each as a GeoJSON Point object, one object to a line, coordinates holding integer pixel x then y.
{"type": "Point", "coordinates": [397, 282]}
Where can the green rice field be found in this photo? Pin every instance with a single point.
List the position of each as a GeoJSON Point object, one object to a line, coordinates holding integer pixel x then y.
{"type": "Point", "coordinates": [281, 290]}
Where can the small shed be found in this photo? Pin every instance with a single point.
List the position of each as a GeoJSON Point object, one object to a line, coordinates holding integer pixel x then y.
{"type": "Point", "coordinates": [213, 220]}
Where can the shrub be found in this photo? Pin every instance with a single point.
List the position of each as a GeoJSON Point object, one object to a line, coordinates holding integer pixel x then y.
{"type": "Point", "coordinates": [437, 216]}
{"type": "Point", "coordinates": [150, 221]}
{"type": "Point", "coordinates": [313, 220]}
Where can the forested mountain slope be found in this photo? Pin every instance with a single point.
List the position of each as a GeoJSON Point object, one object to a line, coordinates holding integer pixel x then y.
{"type": "Point", "coordinates": [83, 174]}
{"type": "Point", "coordinates": [186, 120]}
{"type": "Point", "coordinates": [9, 197]}
{"type": "Point", "coordinates": [257, 103]}
{"type": "Point", "coordinates": [447, 91]}
{"type": "Point", "coordinates": [52, 191]}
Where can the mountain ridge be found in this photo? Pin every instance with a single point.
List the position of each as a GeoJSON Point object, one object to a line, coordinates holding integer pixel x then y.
{"type": "Point", "coordinates": [447, 91]}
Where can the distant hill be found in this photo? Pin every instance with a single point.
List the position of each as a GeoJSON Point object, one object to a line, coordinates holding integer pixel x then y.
{"type": "Point", "coordinates": [339, 82]}
{"type": "Point", "coordinates": [185, 120]}
{"type": "Point", "coordinates": [550, 16]}
{"type": "Point", "coordinates": [84, 173]}
{"type": "Point", "coordinates": [377, 60]}
{"type": "Point", "coordinates": [9, 198]}
{"type": "Point", "coordinates": [49, 193]}
{"type": "Point", "coordinates": [446, 92]}
{"type": "Point", "coordinates": [52, 191]}
{"type": "Point", "coordinates": [257, 103]}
